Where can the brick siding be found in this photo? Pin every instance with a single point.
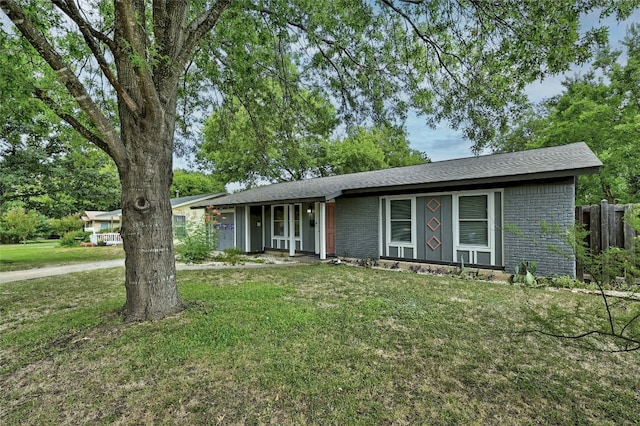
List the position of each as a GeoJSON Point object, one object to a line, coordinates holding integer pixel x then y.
{"type": "Point", "coordinates": [357, 227]}
{"type": "Point", "coordinates": [526, 208]}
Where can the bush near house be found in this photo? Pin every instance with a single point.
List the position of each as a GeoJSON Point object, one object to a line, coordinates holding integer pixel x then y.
{"type": "Point", "coordinates": [74, 238]}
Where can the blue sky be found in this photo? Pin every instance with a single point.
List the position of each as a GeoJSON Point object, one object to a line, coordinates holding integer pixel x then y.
{"type": "Point", "coordinates": [443, 143]}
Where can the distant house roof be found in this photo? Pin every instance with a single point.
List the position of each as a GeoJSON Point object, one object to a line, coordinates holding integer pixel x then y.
{"type": "Point", "coordinates": [175, 203]}
{"type": "Point", "coordinates": [184, 201]}
{"type": "Point", "coordinates": [535, 164]}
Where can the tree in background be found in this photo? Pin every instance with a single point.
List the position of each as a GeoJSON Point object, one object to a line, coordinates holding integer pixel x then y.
{"type": "Point", "coordinates": [601, 108]}
{"type": "Point", "coordinates": [241, 156]}
{"type": "Point", "coordinates": [114, 71]}
{"type": "Point", "coordinates": [365, 149]}
{"type": "Point", "coordinates": [278, 138]}
{"type": "Point", "coordinates": [187, 182]}
{"type": "Point", "coordinates": [46, 165]}
{"type": "Point", "coordinates": [20, 223]}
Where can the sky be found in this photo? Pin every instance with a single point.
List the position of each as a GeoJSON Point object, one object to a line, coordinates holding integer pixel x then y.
{"type": "Point", "coordinates": [444, 143]}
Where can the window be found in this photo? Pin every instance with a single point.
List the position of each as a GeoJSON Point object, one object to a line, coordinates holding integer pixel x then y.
{"type": "Point", "coordinates": [279, 221]}
{"type": "Point", "coordinates": [400, 221]}
{"type": "Point", "coordinates": [473, 216]}
{"type": "Point", "coordinates": [104, 226]}
{"type": "Point", "coordinates": [179, 226]}
{"type": "Point", "coordinates": [297, 208]}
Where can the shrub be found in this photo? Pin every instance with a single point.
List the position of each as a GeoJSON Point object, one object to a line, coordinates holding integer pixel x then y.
{"type": "Point", "coordinates": [196, 246]}
{"type": "Point", "coordinates": [69, 223]}
{"type": "Point", "coordinates": [74, 238]}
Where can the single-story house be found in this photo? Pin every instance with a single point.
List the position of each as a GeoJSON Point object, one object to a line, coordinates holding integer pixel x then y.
{"type": "Point", "coordinates": [181, 209]}
{"type": "Point", "coordinates": [491, 211]}
{"type": "Point", "coordinates": [98, 221]}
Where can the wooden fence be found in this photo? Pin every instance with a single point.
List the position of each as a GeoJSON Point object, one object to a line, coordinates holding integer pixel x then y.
{"type": "Point", "coordinates": [607, 227]}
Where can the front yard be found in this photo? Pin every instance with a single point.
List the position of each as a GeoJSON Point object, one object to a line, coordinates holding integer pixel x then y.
{"type": "Point", "coordinates": [14, 257]}
{"type": "Point", "coordinates": [309, 345]}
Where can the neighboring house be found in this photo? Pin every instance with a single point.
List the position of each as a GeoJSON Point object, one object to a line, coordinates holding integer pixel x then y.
{"type": "Point", "coordinates": [490, 211]}
{"type": "Point", "coordinates": [183, 213]}
{"type": "Point", "coordinates": [181, 209]}
{"type": "Point", "coordinates": [98, 221]}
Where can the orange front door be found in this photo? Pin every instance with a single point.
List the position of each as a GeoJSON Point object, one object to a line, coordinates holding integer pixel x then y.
{"type": "Point", "coordinates": [330, 221]}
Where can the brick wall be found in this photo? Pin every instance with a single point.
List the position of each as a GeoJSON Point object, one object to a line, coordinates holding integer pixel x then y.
{"type": "Point", "coordinates": [526, 209]}
{"type": "Point", "coordinates": [357, 227]}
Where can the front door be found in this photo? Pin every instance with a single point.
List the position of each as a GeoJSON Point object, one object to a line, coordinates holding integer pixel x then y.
{"type": "Point", "coordinates": [225, 230]}
{"type": "Point", "coordinates": [330, 221]}
{"type": "Point", "coordinates": [255, 220]}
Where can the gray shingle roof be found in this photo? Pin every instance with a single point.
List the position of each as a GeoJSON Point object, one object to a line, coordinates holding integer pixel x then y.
{"type": "Point", "coordinates": [175, 202]}
{"type": "Point", "coordinates": [565, 160]}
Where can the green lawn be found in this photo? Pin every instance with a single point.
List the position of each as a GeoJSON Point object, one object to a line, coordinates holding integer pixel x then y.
{"type": "Point", "coordinates": [15, 257]}
{"type": "Point", "coordinates": [309, 345]}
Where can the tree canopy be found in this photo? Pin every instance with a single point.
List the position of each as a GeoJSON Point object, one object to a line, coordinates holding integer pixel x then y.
{"type": "Point", "coordinates": [601, 108]}
{"type": "Point", "coordinates": [121, 72]}
{"type": "Point", "coordinates": [186, 182]}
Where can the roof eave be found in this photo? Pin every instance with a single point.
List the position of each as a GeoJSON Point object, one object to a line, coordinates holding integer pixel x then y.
{"type": "Point", "coordinates": [497, 180]}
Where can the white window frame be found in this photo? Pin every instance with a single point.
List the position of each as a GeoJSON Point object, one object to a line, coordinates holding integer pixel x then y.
{"type": "Point", "coordinates": [179, 227]}
{"type": "Point", "coordinates": [474, 249]}
{"type": "Point", "coordinates": [401, 245]}
{"type": "Point", "coordinates": [282, 241]}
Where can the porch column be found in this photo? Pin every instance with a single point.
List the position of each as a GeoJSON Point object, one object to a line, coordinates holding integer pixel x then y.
{"type": "Point", "coordinates": [292, 230]}
{"type": "Point", "coordinates": [263, 228]}
{"type": "Point", "coordinates": [323, 231]}
{"type": "Point", "coordinates": [316, 229]}
{"type": "Point", "coordinates": [247, 227]}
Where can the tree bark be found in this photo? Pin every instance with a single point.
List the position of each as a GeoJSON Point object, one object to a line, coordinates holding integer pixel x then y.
{"type": "Point", "coordinates": [147, 224]}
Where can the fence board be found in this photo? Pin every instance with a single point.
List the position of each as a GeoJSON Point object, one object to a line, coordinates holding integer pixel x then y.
{"type": "Point", "coordinates": [606, 225]}
{"type": "Point", "coordinates": [594, 228]}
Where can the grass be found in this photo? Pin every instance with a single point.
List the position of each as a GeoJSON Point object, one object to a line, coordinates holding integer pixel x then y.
{"type": "Point", "coordinates": [308, 345]}
{"type": "Point", "coordinates": [15, 257]}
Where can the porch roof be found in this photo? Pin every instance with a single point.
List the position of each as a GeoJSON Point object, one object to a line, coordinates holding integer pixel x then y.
{"type": "Point", "coordinates": [535, 164]}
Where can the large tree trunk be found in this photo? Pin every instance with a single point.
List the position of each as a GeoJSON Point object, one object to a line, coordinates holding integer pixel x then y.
{"type": "Point", "coordinates": [147, 223]}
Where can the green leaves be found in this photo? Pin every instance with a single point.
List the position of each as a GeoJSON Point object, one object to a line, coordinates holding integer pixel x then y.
{"type": "Point", "coordinates": [602, 111]}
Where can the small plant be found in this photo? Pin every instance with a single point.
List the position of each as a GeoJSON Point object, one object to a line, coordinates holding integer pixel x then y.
{"type": "Point", "coordinates": [232, 255]}
{"type": "Point", "coordinates": [524, 273]}
{"type": "Point", "coordinates": [367, 263]}
{"type": "Point", "coordinates": [196, 246]}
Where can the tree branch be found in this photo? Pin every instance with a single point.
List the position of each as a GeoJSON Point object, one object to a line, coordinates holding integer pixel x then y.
{"type": "Point", "coordinates": [71, 120]}
{"type": "Point", "coordinates": [197, 30]}
{"type": "Point", "coordinates": [89, 34]}
{"type": "Point", "coordinates": [130, 13]}
{"type": "Point", "coordinates": [435, 47]}
{"type": "Point", "coordinates": [111, 138]}
{"type": "Point", "coordinates": [628, 340]}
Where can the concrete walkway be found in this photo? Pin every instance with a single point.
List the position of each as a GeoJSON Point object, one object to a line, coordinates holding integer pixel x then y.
{"type": "Point", "coordinates": [51, 271]}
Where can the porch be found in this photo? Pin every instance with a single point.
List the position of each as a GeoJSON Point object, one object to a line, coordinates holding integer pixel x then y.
{"type": "Point", "coordinates": [292, 228]}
